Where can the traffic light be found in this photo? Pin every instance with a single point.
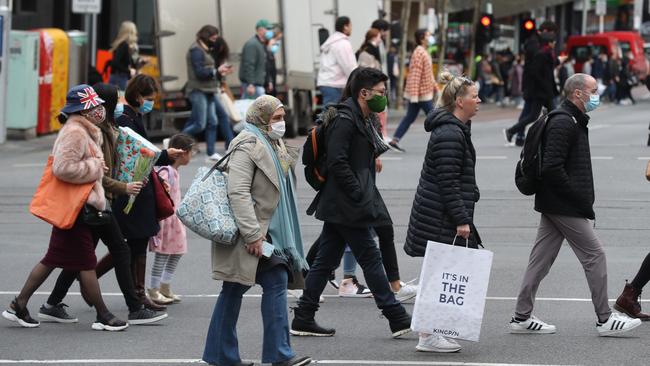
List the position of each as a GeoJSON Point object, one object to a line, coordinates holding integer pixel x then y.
{"type": "Point", "coordinates": [528, 27]}
{"type": "Point", "coordinates": [484, 31]}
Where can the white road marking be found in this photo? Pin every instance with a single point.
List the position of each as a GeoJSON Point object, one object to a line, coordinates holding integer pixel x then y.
{"type": "Point", "coordinates": [494, 157]}
{"type": "Point", "coordinates": [387, 158]}
{"type": "Point", "coordinates": [315, 362]}
{"type": "Point", "coordinates": [598, 127]}
{"type": "Point", "coordinates": [199, 296]}
{"type": "Point", "coordinates": [602, 158]}
{"type": "Point", "coordinates": [643, 158]}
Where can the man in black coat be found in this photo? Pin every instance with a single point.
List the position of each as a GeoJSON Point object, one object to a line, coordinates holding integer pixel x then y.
{"type": "Point", "coordinates": [565, 199]}
{"type": "Point", "coordinates": [349, 204]}
{"type": "Point", "coordinates": [538, 84]}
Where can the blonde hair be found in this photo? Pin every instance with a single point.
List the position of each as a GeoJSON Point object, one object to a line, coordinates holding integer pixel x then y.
{"type": "Point", "coordinates": [128, 33]}
{"type": "Point", "coordinates": [452, 88]}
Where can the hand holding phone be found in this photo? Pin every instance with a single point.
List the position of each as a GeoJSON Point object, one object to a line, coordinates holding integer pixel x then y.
{"type": "Point", "coordinates": [267, 249]}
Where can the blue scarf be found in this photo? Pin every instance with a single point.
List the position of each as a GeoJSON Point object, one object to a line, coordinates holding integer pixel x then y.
{"type": "Point", "coordinates": [284, 228]}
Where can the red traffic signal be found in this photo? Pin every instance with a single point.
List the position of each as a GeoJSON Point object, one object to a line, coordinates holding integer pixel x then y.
{"type": "Point", "coordinates": [529, 25]}
{"type": "Point", "coordinates": [486, 21]}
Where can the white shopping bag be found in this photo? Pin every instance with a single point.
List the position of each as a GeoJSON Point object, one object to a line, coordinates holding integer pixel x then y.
{"type": "Point", "coordinates": [453, 285]}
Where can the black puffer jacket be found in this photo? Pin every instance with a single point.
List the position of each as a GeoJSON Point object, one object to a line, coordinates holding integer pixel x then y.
{"type": "Point", "coordinates": [538, 79]}
{"type": "Point", "coordinates": [567, 186]}
{"type": "Point", "coordinates": [447, 190]}
{"type": "Point", "coordinates": [349, 196]}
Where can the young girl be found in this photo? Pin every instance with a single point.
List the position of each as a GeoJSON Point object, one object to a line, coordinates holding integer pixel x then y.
{"type": "Point", "coordinates": [171, 242]}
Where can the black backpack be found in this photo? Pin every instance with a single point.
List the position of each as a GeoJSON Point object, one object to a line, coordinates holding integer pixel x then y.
{"type": "Point", "coordinates": [528, 173]}
{"type": "Point", "coordinates": [314, 154]}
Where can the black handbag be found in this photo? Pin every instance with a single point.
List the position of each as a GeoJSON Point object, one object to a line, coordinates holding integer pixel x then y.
{"type": "Point", "coordinates": [94, 217]}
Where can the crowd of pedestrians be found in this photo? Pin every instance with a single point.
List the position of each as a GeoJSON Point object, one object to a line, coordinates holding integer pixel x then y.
{"type": "Point", "coordinates": [269, 249]}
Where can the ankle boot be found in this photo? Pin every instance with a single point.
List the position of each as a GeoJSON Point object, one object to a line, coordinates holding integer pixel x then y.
{"type": "Point", "coordinates": [166, 291]}
{"type": "Point", "coordinates": [139, 268]}
{"type": "Point", "coordinates": [628, 303]}
{"type": "Point", "coordinates": [104, 265]}
{"type": "Point", "coordinates": [158, 298]}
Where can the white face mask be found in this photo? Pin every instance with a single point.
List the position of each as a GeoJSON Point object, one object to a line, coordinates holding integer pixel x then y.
{"type": "Point", "coordinates": [277, 130]}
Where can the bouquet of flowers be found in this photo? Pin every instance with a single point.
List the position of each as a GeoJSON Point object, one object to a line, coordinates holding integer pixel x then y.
{"type": "Point", "coordinates": [137, 157]}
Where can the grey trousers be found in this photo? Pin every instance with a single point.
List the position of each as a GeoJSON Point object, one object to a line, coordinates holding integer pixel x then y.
{"type": "Point", "coordinates": [580, 235]}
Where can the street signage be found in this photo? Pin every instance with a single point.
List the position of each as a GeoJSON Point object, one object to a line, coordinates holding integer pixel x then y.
{"type": "Point", "coordinates": [601, 7]}
{"type": "Point", "coordinates": [86, 6]}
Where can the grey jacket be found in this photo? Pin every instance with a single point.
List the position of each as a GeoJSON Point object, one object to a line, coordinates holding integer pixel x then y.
{"type": "Point", "coordinates": [254, 193]}
{"type": "Point", "coordinates": [252, 69]}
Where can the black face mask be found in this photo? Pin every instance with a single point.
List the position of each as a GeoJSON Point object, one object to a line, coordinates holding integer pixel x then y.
{"type": "Point", "coordinates": [210, 44]}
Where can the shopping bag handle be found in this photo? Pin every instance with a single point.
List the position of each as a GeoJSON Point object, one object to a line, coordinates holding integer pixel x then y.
{"type": "Point", "coordinates": [466, 241]}
{"type": "Point", "coordinates": [227, 156]}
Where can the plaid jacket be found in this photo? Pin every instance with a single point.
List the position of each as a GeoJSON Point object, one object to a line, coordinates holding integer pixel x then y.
{"type": "Point", "coordinates": [419, 83]}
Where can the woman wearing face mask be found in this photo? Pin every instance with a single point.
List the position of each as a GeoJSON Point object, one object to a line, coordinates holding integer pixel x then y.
{"type": "Point", "coordinates": [78, 159]}
{"type": "Point", "coordinates": [203, 75]}
{"type": "Point", "coordinates": [368, 55]}
{"type": "Point", "coordinates": [141, 223]}
{"type": "Point", "coordinates": [443, 208]}
{"type": "Point", "coordinates": [419, 85]}
{"type": "Point", "coordinates": [272, 49]}
{"type": "Point", "coordinates": [269, 249]}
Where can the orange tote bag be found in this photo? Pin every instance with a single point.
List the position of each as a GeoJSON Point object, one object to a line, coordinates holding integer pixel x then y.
{"type": "Point", "coordinates": [58, 202]}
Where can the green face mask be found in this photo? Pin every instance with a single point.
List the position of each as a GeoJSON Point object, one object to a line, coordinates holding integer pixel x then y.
{"type": "Point", "coordinates": [377, 103]}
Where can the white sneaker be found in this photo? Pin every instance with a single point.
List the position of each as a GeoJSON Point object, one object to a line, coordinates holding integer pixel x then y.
{"type": "Point", "coordinates": [437, 343]}
{"type": "Point", "coordinates": [616, 324]}
{"type": "Point", "coordinates": [298, 293]}
{"type": "Point", "coordinates": [530, 326]}
{"type": "Point", "coordinates": [350, 287]}
{"type": "Point", "coordinates": [215, 157]}
{"type": "Point", "coordinates": [406, 292]}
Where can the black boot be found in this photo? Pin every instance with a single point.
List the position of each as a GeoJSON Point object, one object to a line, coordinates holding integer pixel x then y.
{"type": "Point", "coordinates": [400, 323]}
{"type": "Point", "coordinates": [303, 324]}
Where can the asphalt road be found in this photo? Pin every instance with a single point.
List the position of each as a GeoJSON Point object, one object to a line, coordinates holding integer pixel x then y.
{"type": "Point", "coordinates": [504, 217]}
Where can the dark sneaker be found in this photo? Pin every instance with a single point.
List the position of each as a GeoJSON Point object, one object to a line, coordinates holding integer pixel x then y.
{"type": "Point", "coordinates": [145, 316]}
{"type": "Point", "coordinates": [395, 146]}
{"type": "Point", "coordinates": [507, 135]}
{"type": "Point", "coordinates": [309, 328]}
{"type": "Point", "coordinates": [20, 316]}
{"type": "Point", "coordinates": [294, 361]}
{"type": "Point", "coordinates": [400, 325]}
{"type": "Point", "coordinates": [110, 323]}
{"type": "Point", "coordinates": [56, 313]}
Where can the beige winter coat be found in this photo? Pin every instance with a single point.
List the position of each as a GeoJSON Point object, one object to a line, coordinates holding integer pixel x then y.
{"type": "Point", "coordinates": [78, 157]}
{"type": "Point", "coordinates": [254, 193]}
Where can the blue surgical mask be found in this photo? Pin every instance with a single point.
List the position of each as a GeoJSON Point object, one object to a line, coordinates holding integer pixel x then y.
{"type": "Point", "coordinates": [119, 110]}
{"type": "Point", "coordinates": [146, 106]}
{"type": "Point", "coordinates": [275, 48]}
{"type": "Point", "coordinates": [269, 34]}
{"type": "Point", "coordinates": [431, 40]}
{"type": "Point", "coordinates": [593, 103]}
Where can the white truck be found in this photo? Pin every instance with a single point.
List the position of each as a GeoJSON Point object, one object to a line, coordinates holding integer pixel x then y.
{"type": "Point", "coordinates": [301, 21]}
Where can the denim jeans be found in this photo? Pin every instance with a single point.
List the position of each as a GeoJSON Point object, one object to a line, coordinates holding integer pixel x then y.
{"type": "Point", "coordinates": [330, 251]}
{"type": "Point", "coordinates": [349, 263]}
{"type": "Point", "coordinates": [330, 95]}
{"type": "Point", "coordinates": [119, 80]}
{"type": "Point", "coordinates": [221, 345]}
{"type": "Point", "coordinates": [259, 91]}
{"type": "Point", "coordinates": [223, 123]}
{"type": "Point", "coordinates": [411, 115]}
{"type": "Point", "coordinates": [203, 117]}
{"type": "Point", "coordinates": [111, 236]}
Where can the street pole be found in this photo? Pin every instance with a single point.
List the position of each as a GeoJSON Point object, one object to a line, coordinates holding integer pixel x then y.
{"type": "Point", "coordinates": [585, 7]}
{"type": "Point", "coordinates": [5, 27]}
{"type": "Point", "coordinates": [443, 38]}
{"type": "Point", "coordinates": [472, 39]}
{"type": "Point", "coordinates": [404, 20]}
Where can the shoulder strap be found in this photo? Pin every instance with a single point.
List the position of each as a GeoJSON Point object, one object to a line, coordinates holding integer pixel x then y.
{"type": "Point", "coordinates": [226, 158]}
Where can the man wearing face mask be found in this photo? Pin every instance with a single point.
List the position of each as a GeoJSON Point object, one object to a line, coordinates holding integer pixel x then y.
{"type": "Point", "coordinates": [252, 70]}
{"type": "Point", "coordinates": [350, 204]}
{"type": "Point", "coordinates": [538, 84]}
{"type": "Point", "coordinates": [565, 199]}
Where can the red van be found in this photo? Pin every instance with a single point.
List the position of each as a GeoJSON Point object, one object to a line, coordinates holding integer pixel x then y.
{"type": "Point", "coordinates": [632, 41]}
{"type": "Point", "coordinates": [581, 47]}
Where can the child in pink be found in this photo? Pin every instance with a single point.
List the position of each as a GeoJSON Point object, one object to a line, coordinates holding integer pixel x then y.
{"type": "Point", "coordinates": [171, 242]}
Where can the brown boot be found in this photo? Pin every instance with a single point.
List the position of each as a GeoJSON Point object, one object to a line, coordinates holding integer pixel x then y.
{"type": "Point", "coordinates": [628, 303]}
{"type": "Point", "coordinates": [139, 267]}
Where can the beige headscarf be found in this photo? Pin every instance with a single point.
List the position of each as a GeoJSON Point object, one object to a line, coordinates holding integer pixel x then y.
{"type": "Point", "coordinates": [259, 115]}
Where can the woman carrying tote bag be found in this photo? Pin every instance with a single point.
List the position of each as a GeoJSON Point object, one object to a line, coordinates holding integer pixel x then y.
{"type": "Point", "coordinates": [77, 159]}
